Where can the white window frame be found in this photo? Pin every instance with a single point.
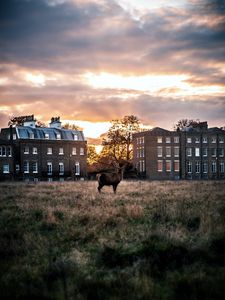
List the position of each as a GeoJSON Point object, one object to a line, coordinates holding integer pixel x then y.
{"type": "Point", "coordinates": [74, 151]}
{"type": "Point", "coordinates": [197, 167]}
{"type": "Point", "coordinates": [205, 167]}
{"type": "Point", "coordinates": [189, 167]}
{"type": "Point", "coordinates": [81, 151]}
{"type": "Point", "coordinates": [47, 136]}
{"type": "Point", "coordinates": [213, 151]}
{"type": "Point", "coordinates": [176, 163]}
{"type": "Point", "coordinates": [49, 151]}
{"type": "Point", "coordinates": [1, 151]}
{"type": "Point", "coordinates": [61, 168]}
{"type": "Point", "coordinates": [213, 166]}
{"type": "Point", "coordinates": [14, 136]}
{"type": "Point", "coordinates": [9, 151]}
{"type": "Point", "coordinates": [168, 151]}
{"type": "Point", "coordinates": [61, 151]}
{"type": "Point", "coordinates": [34, 167]}
{"type": "Point", "coordinates": [197, 152]}
{"type": "Point", "coordinates": [205, 152]}
{"type": "Point", "coordinates": [77, 168]}
{"type": "Point", "coordinates": [58, 136]}
{"type": "Point", "coordinates": [221, 152]}
{"type": "Point", "coordinates": [17, 167]}
{"type": "Point", "coordinates": [31, 135]}
{"type": "Point", "coordinates": [205, 140]}
{"type": "Point", "coordinates": [176, 139]}
{"type": "Point", "coordinates": [159, 140]}
{"type": "Point", "coordinates": [189, 140]}
{"type": "Point", "coordinates": [168, 163]}
{"type": "Point", "coordinates": [176, 151]}
{"type": "Point", "coordinates": [26, 167]}
{"type": "Point", "coordinates": [35, 150]}
{"type": "Point", "coordinates": [221, 166]}
{"type": "Point", "coordinates": [75, 137]}
{"type": "Point", "coordinates": [197, 140]}
{"type": "Point", "coordinates": [168, 140]}
{"type": "Point", "coordinates": [49, 168]}
{"type": "Point", "coordinates": [221, 139]}
{"type": "Point", "coordinates": [159, 151]}
{"type": "Point", "coordinates": [5, 168]}
{"type": "Point", "coordinates": [189, 151]}
{"type": "Point", "coordinates": [142, 166]}
{"type": "Point", "coordinates": [213, 139]}
{"type": "Point", "coordinates": [160, 165]}
{"type": "Point", "coordinates": [26, 150]}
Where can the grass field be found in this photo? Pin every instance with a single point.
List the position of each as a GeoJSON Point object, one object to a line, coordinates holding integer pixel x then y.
{"type": "Point", "coordinates": [152, 240]}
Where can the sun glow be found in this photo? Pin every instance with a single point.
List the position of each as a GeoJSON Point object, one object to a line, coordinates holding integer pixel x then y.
{"type": "Point", "coordinates": [37, 80]}
{"type": "Point", "coordinates": [151, 83]}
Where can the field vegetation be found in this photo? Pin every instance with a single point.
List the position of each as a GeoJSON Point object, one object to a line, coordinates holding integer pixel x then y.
{"type": "Point", "coordinates": [152, 240]}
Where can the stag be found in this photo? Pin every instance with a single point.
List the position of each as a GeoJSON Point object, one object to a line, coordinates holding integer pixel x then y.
{"type": "Point", "coordinates": [112, 178]}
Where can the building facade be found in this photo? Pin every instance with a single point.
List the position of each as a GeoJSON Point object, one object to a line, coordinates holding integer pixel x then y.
{"type": "Point", "coordinates": [196, 152]}
{"type": "Point", "coordinates": [34, 153]}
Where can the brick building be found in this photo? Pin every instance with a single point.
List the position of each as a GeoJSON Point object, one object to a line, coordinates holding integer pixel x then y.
{"type": "Point", "coordinates": [196, 152]}
{"type": "Point", "coordinates": [29, 152]}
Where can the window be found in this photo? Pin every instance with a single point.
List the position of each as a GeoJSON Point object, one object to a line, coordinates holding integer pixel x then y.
{"type": "Point", "coordinates": [142, 140]}
{"type": "Point", "coordinates": [214, 166]}
{"type": "Point", "coordinates": [213, 151]}
{"type": "Point", "coordinates": [221, 152]}
{"type": "Point", "coordinates": [9, 151]}
{"type": "Point", "coordinates": [176, 151]}
{"type": "Point", "coordinates": [205, 152]}
{"type": "Point", "coordinates": [0, 151]}
{"type": "Point", "coordinates": [31, 135]}
{"type": "Point", "coordinates": [168, 140]}
{"type": "Point", "coordinates": [204, 140]}
{"type": "Point", "coordinates": [189, 140]}
{"type": "Point", "coordinates": [213, 139]}
{"type": "Point", "coordinates": [197, 167]}
{"type": "Point", "coordinates": [3, 151]}
{"type": "Point", "coordinates": [14, 136]}
{"type": "Point", "coordinates": [77, 168]}
{"type": "Point", "coordinates": [221, 167]}
{"type": "Point", "coordinates": [47, 136]}
{"type": "Point", "coordinates": [221, 139]}
{"type": "Point", "coordinates": [49, 150]}
{"type": "Point", "coordinates": [74, 151]}
{"type": "Point", "coordinates": [26, 166]}
{"type": "Point", "coordinates": [49, 168]}
{"type": "Point", "coordinates": [75, 137]}
{"type": "Point", "coordinates": [189, 151]}
{"type": "Point", "coordinates": [58, 136]}
{"type": "Point", "coordinates": [35, 167]}
{"type": "Point", "coordinates": [26, 150]}
{"type": "Point", "coordinates": [176, 139]}
{"type": "Point", "coordinates": [142, 166]}
{"type": "Point", "coordinates": [197, 140]}
{"type": "Point", "coordinates": [160, 165]}
{"type": "Point", "coordinates": [142, 152]}
{"type": "Point", "coordinates": [81, 151]}
{"type": "Point", "coordinates": [197, 152]}
{"type": "Point", "coordinates": [168, 165]}
{"type": "Point", "coordinates": [6, 168]}
{"type": "Point", "coordinates": [61, 168]}
{"type": "Point", "coordinates": [35, 150]}
{"type": "Point", "coordinates": [189, 167]}
{"type": "Point", "coordinates": [205, 167]}
{"type": "Point", "coordinates": [17, 168]}
{"type": "Point", "coordinates": [159, 151]}
{"type": "Point", "coordinates": [168, 151]}
{"type": "Point", "coordinates": [61, 151]}
{"type": "Point", "coordinates": [159, 139]}
{"type": "Point", "coordinates": [176, 165]}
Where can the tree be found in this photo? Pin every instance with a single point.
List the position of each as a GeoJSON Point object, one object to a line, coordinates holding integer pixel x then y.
{"type": "Point", "coordinates": [92, 156]}
{"type": "Point", "coordinates": [19, 121]}
{"type": "Point", "coordinates": [118, 142]}
{"type": "Point", "coordinates": [181, 124]}
{"type": "Point", "coordinates": [71, 126]}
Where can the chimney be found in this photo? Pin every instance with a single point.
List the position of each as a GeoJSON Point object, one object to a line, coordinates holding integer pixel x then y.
{"type": "Point", "coordinates": [29, 121]}
{"type": "Point", "coordinates": [55, 122]}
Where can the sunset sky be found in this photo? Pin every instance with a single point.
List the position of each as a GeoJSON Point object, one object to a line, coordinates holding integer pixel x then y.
{"type": "Point", "coordinates": [91, 61]}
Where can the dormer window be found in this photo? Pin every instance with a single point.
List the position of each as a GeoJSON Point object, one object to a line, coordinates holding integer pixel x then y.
{"type": "Point", "coordinates": [75, 137]}
{"type": "Point", "coordinates": [31, 135]}
{"type": "Point", "coordinates": [47, 136]}
{"type": "Point", "coordinates": [58, 136]}
{"type": "Point", "coordinates": [26, 150]}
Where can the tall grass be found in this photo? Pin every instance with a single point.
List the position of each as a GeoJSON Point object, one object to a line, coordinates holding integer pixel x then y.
{"type": "Point", "coordinates": [152, 240]}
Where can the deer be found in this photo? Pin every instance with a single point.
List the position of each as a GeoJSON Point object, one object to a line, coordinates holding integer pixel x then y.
{"type": "Point", "coordinates": [112, 178]}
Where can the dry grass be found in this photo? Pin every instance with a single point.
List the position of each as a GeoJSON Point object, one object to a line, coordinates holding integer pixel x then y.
{"type": "Point", "coordinates": [67, 241]}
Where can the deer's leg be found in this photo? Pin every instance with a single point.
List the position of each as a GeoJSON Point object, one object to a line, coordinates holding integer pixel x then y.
{"type": "Point", "coordinates": [100, 187]}
{"type": "Point", "coordinates": [114, 188]}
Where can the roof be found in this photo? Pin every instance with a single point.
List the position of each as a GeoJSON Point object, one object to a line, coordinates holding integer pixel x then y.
{"type": "Point", "coordinates": [24, 132]}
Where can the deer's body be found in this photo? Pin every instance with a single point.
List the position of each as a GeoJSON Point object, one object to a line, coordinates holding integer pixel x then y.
{"type": "Point", "coordinates": [110, 179]}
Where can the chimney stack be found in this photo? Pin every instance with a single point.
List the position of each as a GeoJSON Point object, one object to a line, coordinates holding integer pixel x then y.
{"type": "Point", "coordinates": [55, 122]}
